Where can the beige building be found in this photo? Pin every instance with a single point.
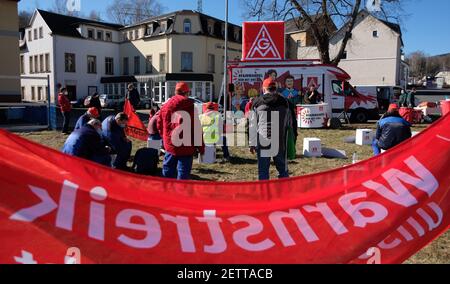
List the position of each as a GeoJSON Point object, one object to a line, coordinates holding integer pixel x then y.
{"type": "Point", "coordinates": [9, 52]}
{"type": "Point", "coordinates": [374, 53]}
{"type": "Point", "coordinates": [183, 45]}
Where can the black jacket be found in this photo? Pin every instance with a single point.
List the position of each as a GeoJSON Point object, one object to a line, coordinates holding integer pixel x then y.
{"type": "Point", "coordinates": [262, 125]}
{"type": "Point", "coordinates": [134, 98]}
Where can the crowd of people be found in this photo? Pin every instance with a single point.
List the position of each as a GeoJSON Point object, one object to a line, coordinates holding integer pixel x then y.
{"type": "Point", "coordinates": [272, 130]}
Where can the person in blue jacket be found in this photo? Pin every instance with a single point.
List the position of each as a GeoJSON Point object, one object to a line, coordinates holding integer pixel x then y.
{"type": "Point", "coordinates": [115, 136]}
{"type": "Point", "coordinates": [92, 113]}
{"type": "Point", "coordinates": [87, 143]}
{"type": "Point", "coordinates": [392, 130]}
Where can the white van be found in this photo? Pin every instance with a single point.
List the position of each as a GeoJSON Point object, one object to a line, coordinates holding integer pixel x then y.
{"type": "Point", "coordinates": [386, 95]}
{"type": "Point", "coordinates": [330, 81]}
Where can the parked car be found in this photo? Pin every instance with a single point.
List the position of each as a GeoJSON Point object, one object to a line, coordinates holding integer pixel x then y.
{"type": "Point", "coordinates": [112, 101]}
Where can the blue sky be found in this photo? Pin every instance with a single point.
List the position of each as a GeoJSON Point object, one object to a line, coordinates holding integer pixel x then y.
{"type": "Point", "coordinates": [425, 23]}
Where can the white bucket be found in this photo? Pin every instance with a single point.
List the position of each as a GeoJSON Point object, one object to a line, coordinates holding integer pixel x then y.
{"type": "Point", "coordinates": [312, 147]}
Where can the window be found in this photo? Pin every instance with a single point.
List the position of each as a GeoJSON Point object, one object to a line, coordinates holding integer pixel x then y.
{"type": "Point", "coordinates": [187, 26]}
{"type": "Point", "coordinates": [149, 65]}
{"type": "Point", "coordinates": [150, 29]}
{"type": "Point", "coordinates": [344, 55]}
{"type": "Point", "coordinates": [41, 63]}
{"type": "Point", "coordinates": [30, 38]}
{"type": "Point", "coordinates": [90, 33]}
{"type": "Point", "coordinates": [47, 62]}
{"type": "Point", "coordinates": [125, 36]}
{"type": "Point", "coordinates": [375, 33]}
{"type": "Point", "coordinates": [299, 43]}
{"type": "Point", "coordinates": [91, 64]}
{"type": "Point", "coordinates": [41, 32]}
{"type": "Point", "coordinates": [35, 33]}
{"type": "Point", "coordinates": [211, 63]}
{"type": "Point", "coordinates": [108, 36]}
{"type": "Point", "coordinates": [136, 34]}
{"type": "Point", "coordinates": [22, 65]}
{"type": "Point", "coordinates": [126, 66]}
{"type": "Point", "coordinates": [46, 96]}
{"type": "Point", "coordinates": [100, 35]}
{"type": "Point", "coordinates": [40, 94]}
{"type": "Point", "coordinates": [186, 61]}
{"type": "Point", "coordinates": [31, 65]}
{"type": "Point", "coordinates": [237, 35]}
{"type": "Point", "coordinates": [33, 94]}
{"type": "Point", "coordinates": [69, 62]}
{"type": "Point", "coordinates": [223, 30]}
{"type": "Point", "coordinates": [130, 35]}
{"type": "Point", "coordinates": [162, 62]}
{"type": "Point", "coordinates": [210, 29]}
{"type": "Point", "coordinates": [109, 66]}
{"type": "Point", "coordinates": [137, 65]}
{"type": "Point", "coordinates": [36, 64]}
{"type": "Point", "coordinates": [22, 92]}
{"type": "Point", "coordinates": [163, 27]}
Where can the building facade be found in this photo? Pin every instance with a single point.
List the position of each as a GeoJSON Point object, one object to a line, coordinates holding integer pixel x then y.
{"type": "Point", "coordinates": [9, 52]}
{"type": "Point", "coordinates": [89, 56]}
{"type": "Point", "coordinates": [374, 53]}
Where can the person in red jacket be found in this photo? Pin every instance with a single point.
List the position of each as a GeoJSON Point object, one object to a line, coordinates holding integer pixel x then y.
{"type": "Point", "coordinates": [66, 109]}
{"type": "Point", "coordinates": [180, 146]}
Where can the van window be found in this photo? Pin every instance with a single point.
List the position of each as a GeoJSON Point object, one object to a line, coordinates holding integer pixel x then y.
{"type": "Point", "coordinates": [337, 87]}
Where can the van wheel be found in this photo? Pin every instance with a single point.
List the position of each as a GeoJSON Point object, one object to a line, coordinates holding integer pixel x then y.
{"type": "Point", "coordinates": [360, 116]}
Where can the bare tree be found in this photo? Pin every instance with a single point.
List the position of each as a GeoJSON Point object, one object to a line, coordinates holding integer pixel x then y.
{"type": "Point", "coordinates": [318, 14]}
{"type": "Point", "coordinates": [417, 62]}
{"type": "Point", "coordinates": [24, 18]}
{"type": "Point", "coordinates": [127, 12]}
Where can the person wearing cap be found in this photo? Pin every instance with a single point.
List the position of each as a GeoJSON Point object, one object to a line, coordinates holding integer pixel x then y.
{"type": "Point", "coordinates": [173, 124]}
{"type": "Point", "coordinates": [392, 130]}
{"type": "Point", "coordinates": [114, 134]}
{"type": "Point", "coordinates": [66, 109]}
{"type": "Point", "coordinates": [268, 126]}
{"type": "Point", "coordinates": [133, 96]}
{"type": "Point", "coordinates": [86, 142]}
{"type": "Point", "coordinates": [92, 113]}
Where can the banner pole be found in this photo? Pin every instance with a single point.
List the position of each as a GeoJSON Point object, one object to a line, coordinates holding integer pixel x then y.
{"type": "Point", "coordinates": [225, 73]}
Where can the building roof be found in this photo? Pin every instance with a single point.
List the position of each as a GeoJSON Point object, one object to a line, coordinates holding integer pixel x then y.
{"type": "Point", "coordinates": [299, 24]}
{"type": "Point", "coordinates": [67, 25]}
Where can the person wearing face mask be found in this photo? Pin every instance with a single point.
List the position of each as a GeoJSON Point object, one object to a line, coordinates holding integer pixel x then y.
{"type": "Point", "coordinates": [86, 143]}
{"type": "Point", "coordinates": [114, 134]}
{"type": "Point", "coordinates": [66, 109]}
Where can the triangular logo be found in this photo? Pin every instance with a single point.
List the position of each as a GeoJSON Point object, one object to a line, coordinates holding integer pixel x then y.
{"type": "Point", "coordinates": [263, 46]}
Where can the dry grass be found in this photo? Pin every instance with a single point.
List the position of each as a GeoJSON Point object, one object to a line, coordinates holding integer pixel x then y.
{"type": "Point", "coordinates": [243, 168]}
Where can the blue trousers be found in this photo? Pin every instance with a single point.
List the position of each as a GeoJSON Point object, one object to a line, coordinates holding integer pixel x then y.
{"type": "Point", "coordinates": [104, 160]}
{"type": "Point", "coordinates": [280, 163]}
{"type": "Point", "coordinates": [177, 167]}
{"type": "Point", "coordinates": [376, 148]}
{"type": "Point", "coordinates": [123, 155]}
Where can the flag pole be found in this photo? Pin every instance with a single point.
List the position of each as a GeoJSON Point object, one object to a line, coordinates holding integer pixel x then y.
{"type": "Point", "coordinates": [225, 71]}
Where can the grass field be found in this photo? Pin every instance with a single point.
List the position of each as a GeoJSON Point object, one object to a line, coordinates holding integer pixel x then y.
{"type": "Point", "coordinates": [243, 168]}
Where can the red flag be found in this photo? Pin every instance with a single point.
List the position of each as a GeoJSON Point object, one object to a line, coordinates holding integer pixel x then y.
{"type": "Point", "coordinates": [135, 127]}
{"type": "Point", "coordinates": [53, 204]}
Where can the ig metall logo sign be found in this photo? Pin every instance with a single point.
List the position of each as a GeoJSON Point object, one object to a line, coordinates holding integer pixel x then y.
{"type": "Point", "coordinates": [73, 5]}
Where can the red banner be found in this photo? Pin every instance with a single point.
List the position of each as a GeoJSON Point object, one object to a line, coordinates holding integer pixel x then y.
{"type": "Point", "coordinates": [135, 127]}
{"type": "Point", "coordinates": [263, 41]}
{"type": "Point", "coordinates": [52, 205]}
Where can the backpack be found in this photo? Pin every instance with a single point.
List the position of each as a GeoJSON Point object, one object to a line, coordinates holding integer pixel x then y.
{"type": "Point", "coordinates": [146, 162]}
